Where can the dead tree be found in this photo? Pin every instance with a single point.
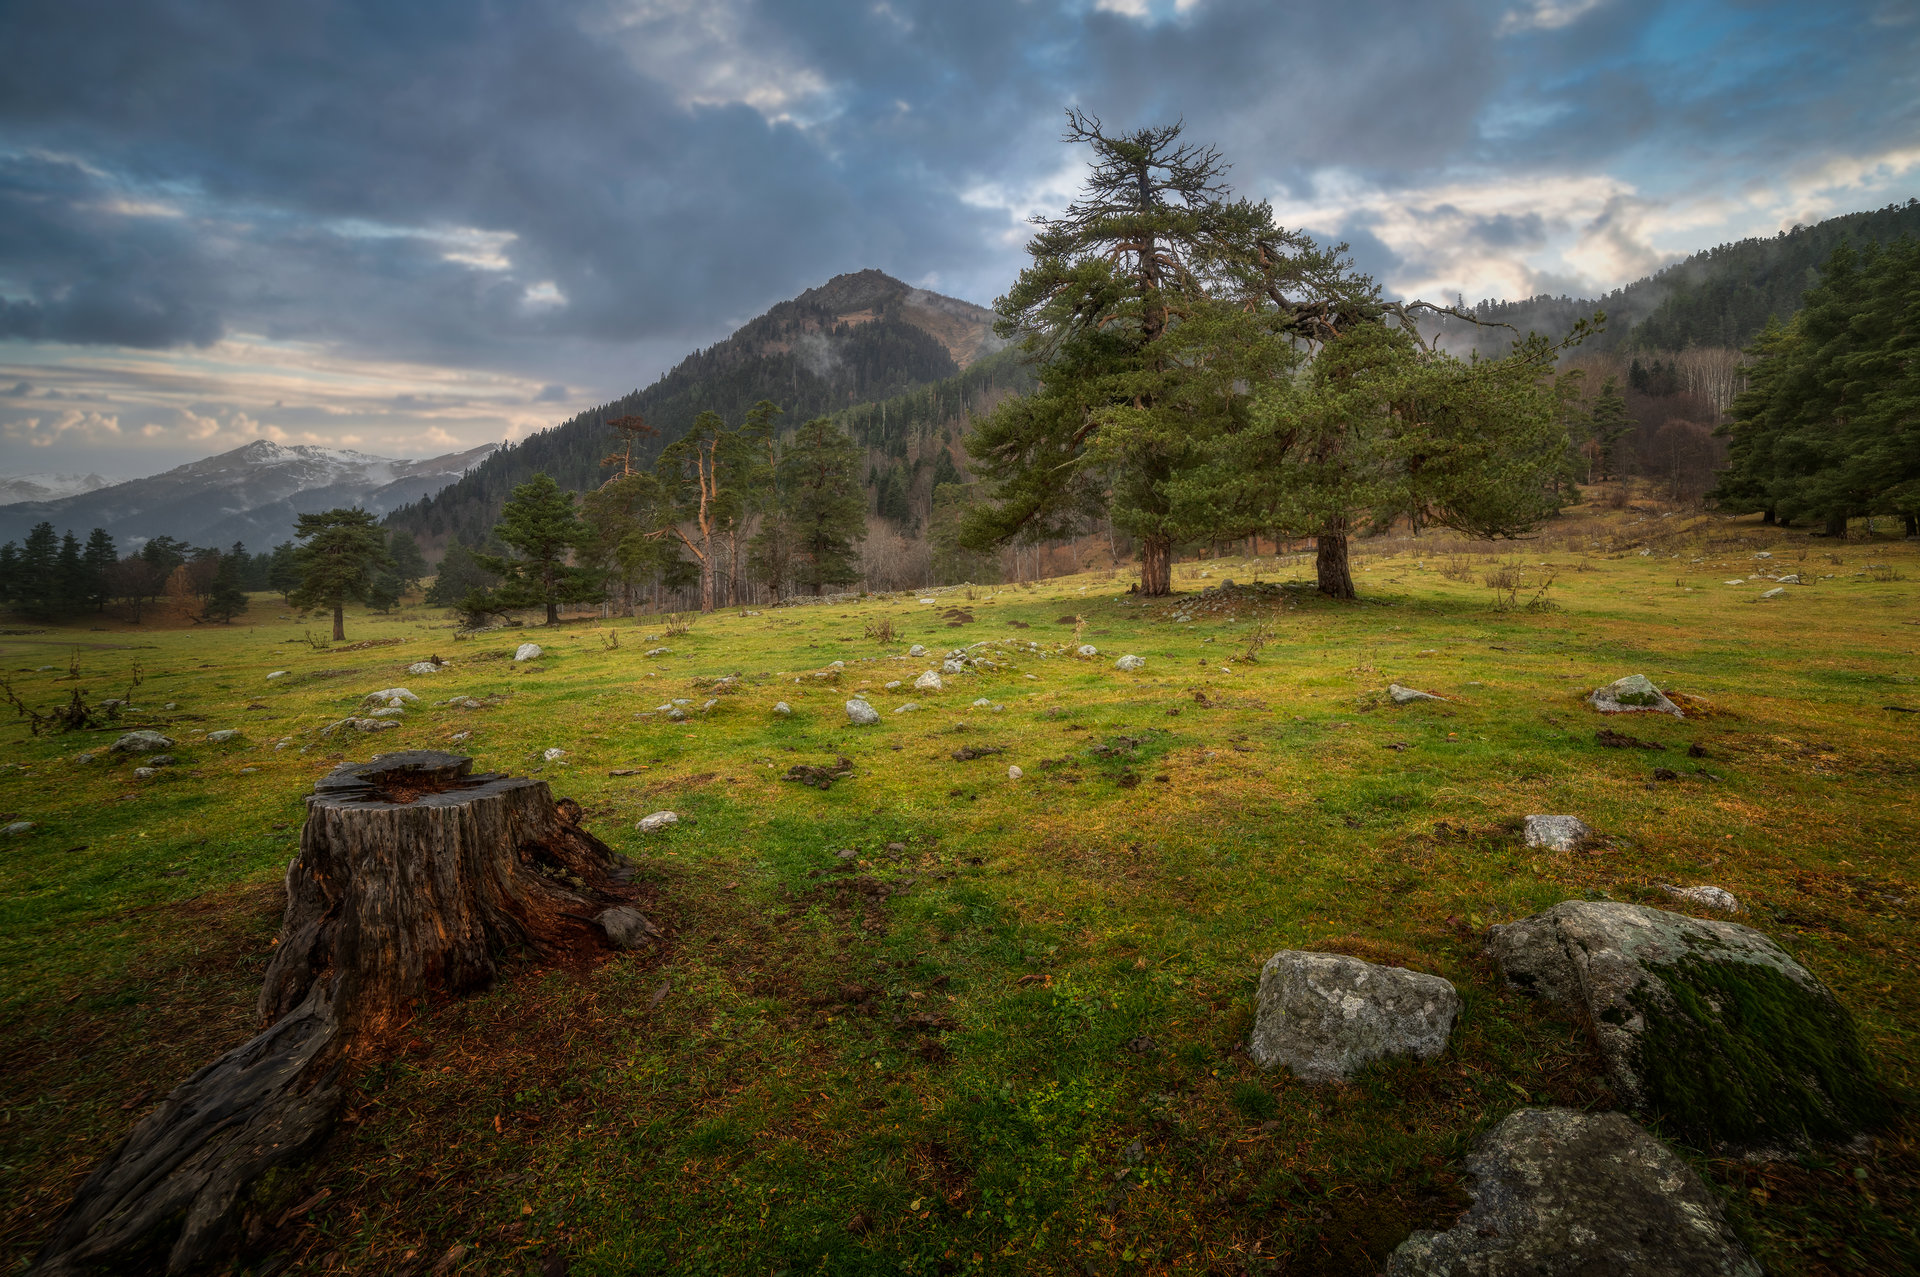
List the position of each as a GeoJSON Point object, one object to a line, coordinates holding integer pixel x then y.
{"type": "Point", "coordinates": [413, 875]}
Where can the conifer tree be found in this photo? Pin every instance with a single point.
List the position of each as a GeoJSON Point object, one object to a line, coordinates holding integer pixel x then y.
{"type": "Point", "coordinates": [227, 596]}
{"type": "Point", "coordinates": [540, 529]}
{"type": "Point", "coordinates": [99, 557]}
{"type": "Point", "coordinates": [822, 511]}
{"type": "Point", "coordinates": [342, 549]}
{"type": "Point", "coordinates": [409, 565]}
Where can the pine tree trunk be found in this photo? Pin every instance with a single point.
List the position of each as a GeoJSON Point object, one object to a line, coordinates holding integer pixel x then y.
{"type": "Point", "coordinates": [1837, 526]}
{"type": "Point", "coordinates": [553, 613]}
{"type": "Point", "coordinates": [1766, 518]}
{"type": "Point", "coordinates": [413, 877]}
{"type": "Point", "coordinates": [1156, 566]}
{"type": "Point", "coordinates": [339, 623]}
{"type": "Point", "coordinates": [1330, 562]}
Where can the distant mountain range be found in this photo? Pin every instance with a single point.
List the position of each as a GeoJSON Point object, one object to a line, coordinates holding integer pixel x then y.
{"type": "Point", "coordinates": [1720, 297]}
{"type": "Point", "coordinates": [250, 494]}
{"type": "Point", "coordinates": [858, 339]}
{"type": "Point", "coordinates": [47, 487]}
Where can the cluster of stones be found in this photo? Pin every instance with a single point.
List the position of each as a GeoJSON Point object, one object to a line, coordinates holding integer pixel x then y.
{"type": "Point", "coordinates": [1704, 1024]}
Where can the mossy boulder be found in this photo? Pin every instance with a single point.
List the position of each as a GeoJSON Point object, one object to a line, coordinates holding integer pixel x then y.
{"type": "Point", "coordinates": [1562, 1192]}
{"type": "Point", "coordinates": [1708, 1025]}
{"type": "Point", "coordinates": [1635, 693]}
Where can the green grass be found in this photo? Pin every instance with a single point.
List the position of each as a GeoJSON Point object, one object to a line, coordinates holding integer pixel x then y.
{"type": "Point", "coordinates": [1009, 1038]}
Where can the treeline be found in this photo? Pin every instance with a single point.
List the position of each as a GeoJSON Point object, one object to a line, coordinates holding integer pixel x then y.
{"type": "Point", "coordinates": [1828, 428]}
{"type": "Point", "coordinates": [798, 356]}
{"type": "Point", "coordinates": [57, 577]}
{"type": "Point", "coordinates": [1722, 297]}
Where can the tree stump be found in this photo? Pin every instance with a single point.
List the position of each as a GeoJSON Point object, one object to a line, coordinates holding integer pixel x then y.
{"type": "Point", "coordinates": [414, 877]}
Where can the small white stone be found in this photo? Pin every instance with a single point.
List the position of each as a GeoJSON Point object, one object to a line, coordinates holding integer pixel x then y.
{"type": "Point", "coordinates": [927, 682]}
{"type": "Point", "coordinates": [917, 649]}
{"type": "Point", "coordinates": [1559, 833]}
{"type": "Point", "coordinates": [276, 674]}
{"type": "Point", "coordinates": [424, 667]}
{"type": "Point", "coordinates": [1775, 592]}
{"type": "Point", "coordinates": [456, 738]}
{"type": "Point", "coordinates": [554, 755]}
{"type": "Point", "coordinates": [908, 708]}
{"type": "Point", "coordinates": [22, 826]}
{"type": "Point", "coordinates": [982, 703]}
{"type": "Point", "coordinates": [527, 652]}
{"type": "Point", "coordinates": [1087, 649]}
{"type": "Point", "coordinates": [862, 714]}
{"type": "Point", "coordinates": [1014, 773]}
{"type": "Point", "coordinates": [222, 736]}
{"type": "Point", "coordinates": [658, 821]}
{"type": "Point", "coordinates": [782, 708]}
{"type": "Point", "coordinates": [1710, 897]}
{"type": "Point", "coordinates": [1130, 663]}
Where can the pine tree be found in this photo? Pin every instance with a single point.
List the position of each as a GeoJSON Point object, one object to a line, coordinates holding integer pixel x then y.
{"type": "Point", "coordinates": [822, 512]}
{"type": "Point", "coordinates": [37, 589]}
{"type": "Point", "coordinates": [409, 565]}
{"type": "Point", "coordinates": [1608, 422]}
{"type": "Point", "coordinates": [99, 557]}
{"type": "Point", "coordinates": [70, 577]}
{"type": "Point", "coordinates": [540, 527]}
{"type": "Point", "coordinates": [227, 597]}
{"type": "Point", "coordinates": [458, 575]}
{"type": "Point", "coordinates": [342, 549]}
{"type": "Point", "coordinates": [283, 571]}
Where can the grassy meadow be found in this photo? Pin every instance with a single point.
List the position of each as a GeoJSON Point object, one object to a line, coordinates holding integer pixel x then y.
{"type": "Point", "coordinates": [1006, 1034]}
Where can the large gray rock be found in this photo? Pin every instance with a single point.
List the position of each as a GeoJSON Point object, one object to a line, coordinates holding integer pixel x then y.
{"type": "Point", "coordinates": [861, 714]}
{"type": "Point", "coordinates": [141, 742]}
{"type": "Point", "coordinates": [1559, 1193]}
{"type": "Point", "coordinates": [1406, 695]}
{"type": "Point", "coordinates": [527, 652]}
{"type": "Point", "coordinates": [1129, 663]}
{"type": "Point", "coordinates": [1326, 1015]}
{"type": "Point", "coordinates": [1633, 694]}
{"type": "Point", "coordinates": [1708, 1024]}
{"type": "Point", "coordinates": [928, 682]}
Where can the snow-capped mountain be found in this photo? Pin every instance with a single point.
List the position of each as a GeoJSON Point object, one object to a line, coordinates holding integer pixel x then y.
{"type": "Point", "coordinates": [47, 487]}
{"type": "Point", "coordinates": [251, 494]}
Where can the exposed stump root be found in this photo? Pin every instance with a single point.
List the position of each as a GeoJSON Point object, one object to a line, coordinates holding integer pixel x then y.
{"type": "Point", "coordinates": [413, 874]}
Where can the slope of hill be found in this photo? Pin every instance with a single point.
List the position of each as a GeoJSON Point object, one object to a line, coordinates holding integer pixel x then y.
{"type": "Point", "coordinates": [47, 487]}
{"type": "Point", "coordinates": [855, 339]}
{"type": "Point", "coordinates": [250, 494]}
{"type": "Point", "coordinates": [1720, 297]}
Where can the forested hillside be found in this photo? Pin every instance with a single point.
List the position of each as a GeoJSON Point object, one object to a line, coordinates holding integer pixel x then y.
{"type": "Point", "coordinates": [857, 339]}
{"type": "Point", "coordinates": [1719, 297]}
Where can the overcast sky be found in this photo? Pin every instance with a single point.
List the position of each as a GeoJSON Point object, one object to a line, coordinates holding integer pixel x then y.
{"type": "Point", "coordinates": [412, 227]}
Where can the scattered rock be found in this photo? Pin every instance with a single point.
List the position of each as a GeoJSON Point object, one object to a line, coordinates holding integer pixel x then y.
{"type": "Point", "coordinates": [222, 736]}
{"type": "Point", "coordinates": [862, 714]}
{"type": "Point", "coordinates": [1558, 1192]}
{"type": "Point", "coordinates": [391, 712]}
{"type": "Point", "coordinates": [359, 725]}
{"type": "Point", "coordinates": [625, 926]}
{"type": "Point", "coordinates": [527, 652]}
{"type": "Point", "coordinates": [918, 649]}
{"type": "Point", "coordinates": [145, 773]}
{"type": "Point", "coordinates": [967, 753]}
{"type": "Point", "coordinates": [277, 674]}
{"type": "Point", "coordinates": [456, 738]}
{"type": "Point", "coordinates": [554, 754]}
{"type": "Point", "coordinates": [83, 759]}
{"type": "Point", "coordinates": [953, 665]}
{"type": "Point", "coordinates": [1774, 593]}
{"type": "Point", "coordinates": [161, 760]}
{"type": "Point", "coordinates": [17, 828]}
{"type": "Point", "coordinates": [1325, 1015]}
{"type": "Point", "coordinates": [1087, 650]}
{"type": "Point", "coordinates": [909, 708]}
{"type": "Point", "coordinates": [659, 651]}
{"type": "Point", "coordinates": [426, 667]}
{"type": "Point", "coordinates": [1406, 695]}
{"type": "Point", "coordinates": [657, 821]}
{"type": "Point", "coordinates": [1014, 773]}
{"type": "Point", "coordinates": [782, 708]}
{"type": "Point", "coordinates": [1706, 897]}
{"type": "Point", "coordinates": [927, 682]}
{"type": "Point", "coordinates": [982, 703]}
{"type": "Point", "coordinates": [677, 714]}
{"type": "Point", "coordinates": [1790, 579]}
{"type": "Point", "coordinates": [1129, 663]}
{"type": "Point", "coordinates": [1559, 833]}
{"type": "Point", "coordinates": [391, 696]}
{"type": "Point", "coordinates": [1632, 694]}
{"type": "Point", "coordinates": [141, 742]}
{"type": "Point", "coordinates": [1708, 1024]}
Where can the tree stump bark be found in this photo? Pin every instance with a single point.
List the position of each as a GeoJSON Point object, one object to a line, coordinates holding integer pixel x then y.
{"type": "Point", "coordinates": [414, 877]}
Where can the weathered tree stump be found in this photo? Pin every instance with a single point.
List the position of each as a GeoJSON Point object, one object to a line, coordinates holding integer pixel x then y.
{"type": "Point", "coordinates": [414, 878]}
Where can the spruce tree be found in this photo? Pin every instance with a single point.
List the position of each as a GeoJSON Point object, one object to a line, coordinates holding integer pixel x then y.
{"type": "Point", "coordinates": [341, 550]}
{"type": "Point", "coordinates": [99, 556]}
{"type": "Point", "coordinates": [822, 512]}
{"type": "Point", "coordinates": [540, 528]}
{"type": "Point", "coordinates": [36, 589]}
{"type": "Point", "coordinates": [227, 596]}
{"type": "Point", "coordinates": [1609, 422]}
{"type": "Point", "coordinates": [70, 577]}
{"type": "Point", "coordinates": [409, 565]}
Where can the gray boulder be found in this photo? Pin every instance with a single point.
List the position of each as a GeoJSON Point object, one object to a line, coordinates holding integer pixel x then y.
{"type": "Point", "coordinates": [527, 652]}
{"type": "Point", "coordinates": [1707, 1024]}
{"type": "Point", "coordinates": [1130, 662]}
{"type": "Point", "coordinates": [782, 708]}
{"type": "Point", "coordinates": [1406, 695]}
{"type": "Point", "coordinates": [1559, 1193]}
{"type": "Point", "coordinates": [626, 927]}
{"type": "Point", "coordinates": [1633, 694]}
{"type": "Point", "coordinates": [17, 828]}
{"type": "Point", "coordinates": [657, 821]}
{"type": "Point", "coordinates": [393, 697]}
{"type": "Point", "coordinates": [1558, 833]}
{"type": "Point", "coordinates": [140, 742]}
{"type": "Point", "coordinates": [1326, 1015]}
{"type": "Point", "coordinates": [918, 649]}
{"type": "Point", "coordinates": [222, 736]}
{"type": "Point", "coordinates": [954, 665]}
{"type": "Point", "coordinates": [928, 682]}
{"type": "Point", "coordinates": [861, 714]}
